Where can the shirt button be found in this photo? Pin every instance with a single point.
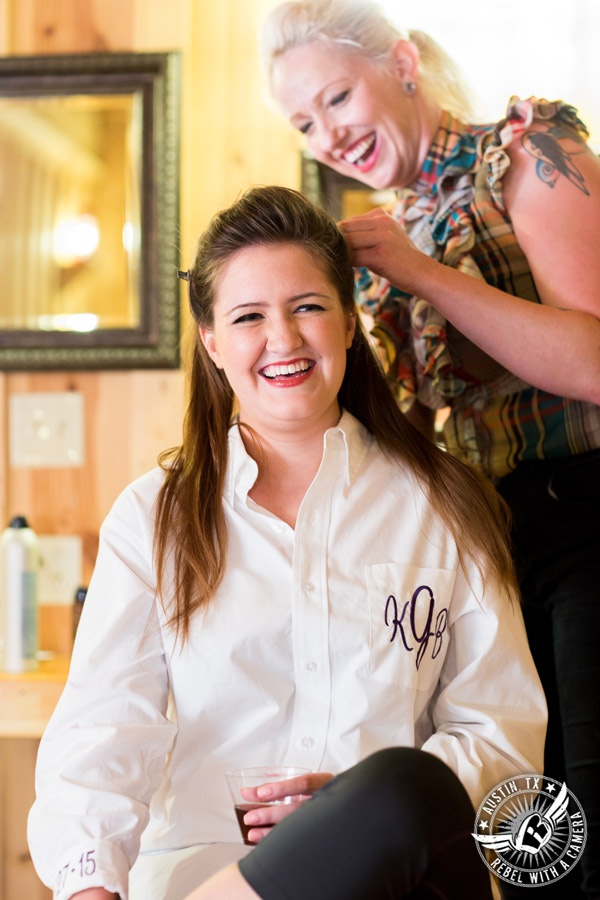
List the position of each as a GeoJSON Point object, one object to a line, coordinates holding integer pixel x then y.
{"type": "Point", "coordinates": [311, 666]}
{"type": "Point", "coordinates": [308, 586]}
{"type": "Point", "coordinates": [307, 742]}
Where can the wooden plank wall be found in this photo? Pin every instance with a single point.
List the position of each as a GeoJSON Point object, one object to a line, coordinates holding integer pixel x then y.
{"type": "Point", "coordinates": [230, 140]}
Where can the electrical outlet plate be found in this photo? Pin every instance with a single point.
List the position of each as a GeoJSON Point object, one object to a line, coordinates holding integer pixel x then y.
{"type": "Point", "coordinates": [60, 572]}
{"type": "Point", "coordinates": [46, 430]}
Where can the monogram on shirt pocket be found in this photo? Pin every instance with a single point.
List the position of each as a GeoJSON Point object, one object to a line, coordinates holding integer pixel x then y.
{"type": "Point", "coordinates": [408, 621]}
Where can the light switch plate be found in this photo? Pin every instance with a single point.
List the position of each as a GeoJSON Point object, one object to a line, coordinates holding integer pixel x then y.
{"type": "Point", "coordinates": [46, 430]}
{"type": "Point", "coordinates": [60, 572]}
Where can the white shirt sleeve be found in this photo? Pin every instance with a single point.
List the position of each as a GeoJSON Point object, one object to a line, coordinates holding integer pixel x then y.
{"type": "Point", "coordinates": [103, 753]}
{"type": "Point", "coordinates": [489, 710]}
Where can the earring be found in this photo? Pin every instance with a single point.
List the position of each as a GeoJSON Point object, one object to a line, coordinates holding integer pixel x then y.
{"type": "Point", "coordinates": [409, 88]}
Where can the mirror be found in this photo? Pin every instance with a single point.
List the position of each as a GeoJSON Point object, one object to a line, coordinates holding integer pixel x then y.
{"type": "Point", "coordinates": [89, 217]}
{"type": "Point", "coordinates": [342, 197]}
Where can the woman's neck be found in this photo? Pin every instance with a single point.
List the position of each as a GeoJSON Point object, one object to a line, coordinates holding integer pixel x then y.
{"type": "Point", "coordinates": [429, 115]}
{"type": "Point", "coordinates": [287, 465]}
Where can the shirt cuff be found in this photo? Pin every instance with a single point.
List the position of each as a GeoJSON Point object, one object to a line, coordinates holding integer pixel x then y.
{"type": "Point", "coordinates": [92, 864]}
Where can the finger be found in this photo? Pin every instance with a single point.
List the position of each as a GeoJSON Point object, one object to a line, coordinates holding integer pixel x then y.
{"type": "Point", "coordinates": [293, 787]}
{"type": "Point", "coordinates": [358, 240]}
{"type": "Point", "coordinates": [367, 217]}
{"type": "Point", "coordinates": [351, 226]}
{"type": "Point", "coordinates": [271, 815]}
{"type": "Point", "coordinates": [255, 835]}
{"type": "Point", "coordinates": [275, 791]}
{"type": "Point", "coordinates": [263, 818]}
{"type": "Point", "coordinates": [370, 254]}
{"type": "Point", "coordinates": [272, 790]}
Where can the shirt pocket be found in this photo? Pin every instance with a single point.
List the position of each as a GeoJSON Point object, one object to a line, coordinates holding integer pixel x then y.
{"type": "Point", "coordinates": [408, 622]}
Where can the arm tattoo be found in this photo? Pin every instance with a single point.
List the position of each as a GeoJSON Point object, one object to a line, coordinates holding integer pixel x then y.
{"type": "Point", "coordinates": [552, 159]}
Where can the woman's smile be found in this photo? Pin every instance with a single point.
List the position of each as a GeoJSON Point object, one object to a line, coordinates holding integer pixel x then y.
{"type": "Point", "coordinates": [363, 153]}
{"type": "Point", "coordinates": [355, 115]}
{"type": "Point", "coordinates": [280, 335]}
{"type": "Point", "coordinates": [288, 374]}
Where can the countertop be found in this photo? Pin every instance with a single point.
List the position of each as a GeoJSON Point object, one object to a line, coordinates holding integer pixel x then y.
{"type": "Point", "coordinates": [27, 699]}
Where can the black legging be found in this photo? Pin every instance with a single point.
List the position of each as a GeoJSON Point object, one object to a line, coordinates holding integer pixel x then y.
{"type": "Point", "coordinates": [397, 824]}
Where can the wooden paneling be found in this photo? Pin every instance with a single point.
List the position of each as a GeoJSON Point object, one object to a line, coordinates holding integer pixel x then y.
{"type": "Point", "coordinates": [3, 25]}
{"type": "Point", "coordinates": [3, 447]}
{"type": "Point", "coordinates": [234, 137]}
{"type": "Point", "coordinates": [71, 26]}
{"type": "Point", "coordinates": [28, 699]}
{"type": "Point", "coordinates": [129, 418]}
{"type": "Point", "coordinates": [17, 878]}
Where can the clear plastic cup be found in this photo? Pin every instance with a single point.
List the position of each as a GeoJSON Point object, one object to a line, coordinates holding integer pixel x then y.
{"type": "Point", "coordinates": [252, 777]}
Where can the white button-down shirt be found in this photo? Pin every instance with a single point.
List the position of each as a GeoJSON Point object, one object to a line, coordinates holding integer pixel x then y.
{"type": "Point", "coordinates": [355, 631]}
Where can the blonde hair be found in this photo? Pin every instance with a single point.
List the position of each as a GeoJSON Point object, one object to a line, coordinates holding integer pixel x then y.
{"type": "Point", "coordinates": [360, 26]}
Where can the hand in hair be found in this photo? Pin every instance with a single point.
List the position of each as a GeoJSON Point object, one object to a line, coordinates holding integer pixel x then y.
{"type": "Point", "coordinates": [302, 787]}
{"type": "Point", "coordinates": [378, 242]}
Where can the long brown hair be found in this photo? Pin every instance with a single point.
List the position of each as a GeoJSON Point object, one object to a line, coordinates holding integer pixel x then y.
{"type": "Point", "coordinates": [190, 519]}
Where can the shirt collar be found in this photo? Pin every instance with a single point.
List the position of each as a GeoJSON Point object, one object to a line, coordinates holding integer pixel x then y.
{"type": "Point", "coordinates": [442, 147]}
{"type": "Point", "coordinates": [352, 435]}
{"type": "Point", "coordinates": [348, 436]}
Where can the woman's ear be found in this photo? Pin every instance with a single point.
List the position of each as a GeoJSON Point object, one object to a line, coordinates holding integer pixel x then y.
{"type": "Point", "coordinates": [404, 61]}
{"type": "Point", "coordinates": [208, 339]}
{"type": "Point", "coordinates": [350, 329]}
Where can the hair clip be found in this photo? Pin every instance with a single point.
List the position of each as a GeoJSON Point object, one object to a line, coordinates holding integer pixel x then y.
{"type": "Point", "coordinates": [185, 276]}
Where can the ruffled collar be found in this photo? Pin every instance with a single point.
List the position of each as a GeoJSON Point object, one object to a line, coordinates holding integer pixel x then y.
{"type": "Point", "coordinates": [434, 212]}
{"type": "Point", "coordinates": [448, 154]}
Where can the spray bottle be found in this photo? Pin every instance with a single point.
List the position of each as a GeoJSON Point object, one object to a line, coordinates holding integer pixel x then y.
{"type": "Point", "coordinates": [19, 563]}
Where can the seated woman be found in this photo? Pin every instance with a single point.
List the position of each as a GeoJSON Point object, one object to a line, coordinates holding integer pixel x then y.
{"type": "Point", "coordinates": [307, 582]}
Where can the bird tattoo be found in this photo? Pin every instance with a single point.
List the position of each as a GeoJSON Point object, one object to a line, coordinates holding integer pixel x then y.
{"type": "Point", "coordinates": [552, 159]}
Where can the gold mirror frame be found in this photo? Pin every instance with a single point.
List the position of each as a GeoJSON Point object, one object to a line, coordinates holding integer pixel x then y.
{"type": "Point", "coordinates": [153, 341]}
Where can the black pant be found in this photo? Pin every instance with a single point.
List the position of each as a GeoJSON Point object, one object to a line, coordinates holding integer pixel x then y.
{"type": "Point", "coordinates": [556, 532]}
{"type": "Point", "coordinates": [396, 825]}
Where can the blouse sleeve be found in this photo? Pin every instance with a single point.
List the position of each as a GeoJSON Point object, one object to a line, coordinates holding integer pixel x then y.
{"type": "Point", "coordinates": [103, 752]}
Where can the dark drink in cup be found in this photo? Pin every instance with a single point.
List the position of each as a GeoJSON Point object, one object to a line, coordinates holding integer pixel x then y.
{"type": "Point", "coordinates": [240, 811]}
{"type": "Point", "coordinates": [240, 781]}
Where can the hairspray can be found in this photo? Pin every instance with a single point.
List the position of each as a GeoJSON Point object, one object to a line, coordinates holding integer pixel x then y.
{"type": "Point", "coordinates": [19, 563]}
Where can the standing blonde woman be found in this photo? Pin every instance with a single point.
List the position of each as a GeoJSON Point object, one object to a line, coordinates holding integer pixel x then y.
{"type": "Point", "coordinates": [484, 288]}
{"type": "Point", "coordinates": [310, 583]}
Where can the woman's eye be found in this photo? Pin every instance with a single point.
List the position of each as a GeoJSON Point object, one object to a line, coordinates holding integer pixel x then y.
{"type": "Point", "coordinates": [304, 129]}
{"type": "Point", "coordinates": [308, 307]}
{"type": "Point", "coordinates": [339, 98]}
{"type": "Point", "coordinates": [248, 317]}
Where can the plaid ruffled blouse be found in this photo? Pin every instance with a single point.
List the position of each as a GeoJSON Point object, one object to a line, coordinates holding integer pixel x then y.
{"type": "Point", "coordinates": [455, 213]}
